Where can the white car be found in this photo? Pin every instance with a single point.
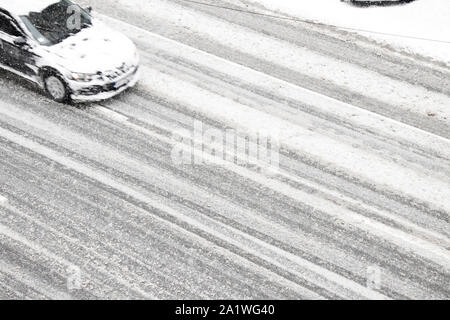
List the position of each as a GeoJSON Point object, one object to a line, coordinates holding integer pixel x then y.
{"type": "Point", "coordinates": [67, 52]}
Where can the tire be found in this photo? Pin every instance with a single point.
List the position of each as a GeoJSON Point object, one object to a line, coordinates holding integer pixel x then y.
{"type": "Point", "coordinates": [56, 88]}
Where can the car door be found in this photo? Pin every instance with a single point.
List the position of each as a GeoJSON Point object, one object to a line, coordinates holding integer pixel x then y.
{"type": "Point", "coordinates": [12, 54]}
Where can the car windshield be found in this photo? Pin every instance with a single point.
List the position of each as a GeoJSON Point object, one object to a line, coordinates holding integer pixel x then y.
{"type": "Point", "coordinates": [57, 22]}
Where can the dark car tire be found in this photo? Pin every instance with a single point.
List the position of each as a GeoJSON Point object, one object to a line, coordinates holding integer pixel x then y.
{"type": "Point", "coordinates": [56, 88]}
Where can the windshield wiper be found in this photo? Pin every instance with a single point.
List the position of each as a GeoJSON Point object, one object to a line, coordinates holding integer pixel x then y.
{"type": "Point", "coordinates": [86, 25]}
{"type": "Point", "coordinates": [44, 29]}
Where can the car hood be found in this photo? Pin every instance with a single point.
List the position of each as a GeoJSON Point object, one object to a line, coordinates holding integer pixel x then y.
{"type": "Point", "coordinates": [95, 49]}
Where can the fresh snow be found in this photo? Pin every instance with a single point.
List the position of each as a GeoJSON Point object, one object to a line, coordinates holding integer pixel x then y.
{"type": "Point", "coordinates": [428, 19]}
{"type": "Point", "coordinates": [336, 72]}
{"type": "Point", "coordinates": [178, 88]}
{"type": "Point", "coordinates": [3, 200]}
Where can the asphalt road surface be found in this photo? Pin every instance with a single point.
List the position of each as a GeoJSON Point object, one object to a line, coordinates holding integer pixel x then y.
{"type": "Point", "coordinates": [92, 204]}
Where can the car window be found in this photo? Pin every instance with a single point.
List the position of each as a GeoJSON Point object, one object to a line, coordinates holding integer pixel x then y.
{"type": "Point", "coordinates": [7, 26]}
{"type": "Point", "coordinates": [53, 24]}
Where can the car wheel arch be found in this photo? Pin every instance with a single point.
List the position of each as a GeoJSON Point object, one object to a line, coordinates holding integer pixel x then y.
{"type": "Point", "coordinates": [46, 72]}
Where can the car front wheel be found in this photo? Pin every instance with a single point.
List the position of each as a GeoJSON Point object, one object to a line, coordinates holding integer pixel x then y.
{"type": "Point", "coordinates": [56, 88]}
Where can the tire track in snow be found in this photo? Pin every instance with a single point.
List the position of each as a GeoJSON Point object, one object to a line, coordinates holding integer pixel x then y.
{"type": "Point", "coordinates": [69, 138]}
{"type": "Point", "coordinates": [96, 185]}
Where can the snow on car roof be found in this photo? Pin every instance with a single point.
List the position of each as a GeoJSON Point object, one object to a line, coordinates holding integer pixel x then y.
{"type": "Point", "coordinates": [23, 7]}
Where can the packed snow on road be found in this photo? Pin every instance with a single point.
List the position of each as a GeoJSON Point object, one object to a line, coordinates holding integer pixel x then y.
{"type": "Point", "coordinates": [225, 149]}
{"type": "Point", "coordinates": [420, 27]}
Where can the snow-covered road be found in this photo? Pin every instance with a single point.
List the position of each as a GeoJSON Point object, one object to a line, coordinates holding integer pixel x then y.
{"type": "Point", "coordinates": [418, 27]}
{"type": "Point", "coordinates": [92, 204]}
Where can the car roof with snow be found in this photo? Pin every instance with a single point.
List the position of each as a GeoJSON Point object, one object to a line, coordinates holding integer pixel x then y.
{"type": "Point", "coordinates": [23, 7]}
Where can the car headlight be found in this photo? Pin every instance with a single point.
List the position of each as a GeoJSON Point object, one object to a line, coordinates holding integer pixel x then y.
{"type": "Point", "coordinates": [82, 77]}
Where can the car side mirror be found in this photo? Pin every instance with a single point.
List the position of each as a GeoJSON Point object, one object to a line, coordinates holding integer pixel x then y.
{"type": "Point", "coordinates": [20, 41]}
{"type": "Point", "coordinates": [88, 9]}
